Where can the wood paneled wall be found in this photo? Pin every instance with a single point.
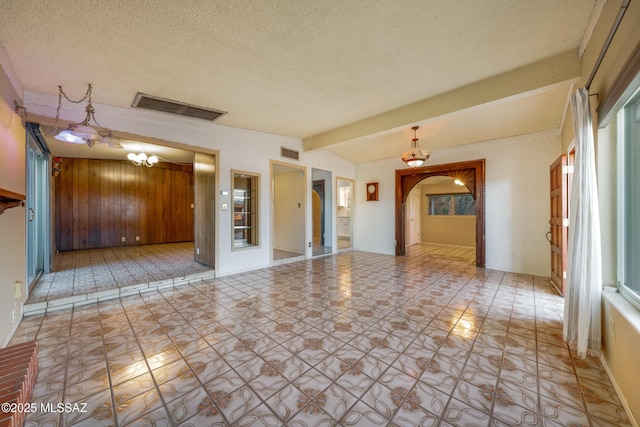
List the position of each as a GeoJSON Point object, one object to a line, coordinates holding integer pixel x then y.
{"type": "Point", "coordinates": [98, 202]}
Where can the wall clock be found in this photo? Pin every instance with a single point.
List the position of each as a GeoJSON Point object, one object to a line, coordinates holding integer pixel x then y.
{"type": "Point", "coordinates": [372, 191]}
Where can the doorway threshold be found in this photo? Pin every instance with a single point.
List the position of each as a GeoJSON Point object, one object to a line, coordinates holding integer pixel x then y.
{"type": "Point", "coordinates": [88, 276]}
{"type": "Point", "coordinates": [62, 303]}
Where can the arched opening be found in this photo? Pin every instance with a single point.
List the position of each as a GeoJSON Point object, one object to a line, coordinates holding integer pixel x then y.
{"type": "Point", "coordinates": [470, 173]}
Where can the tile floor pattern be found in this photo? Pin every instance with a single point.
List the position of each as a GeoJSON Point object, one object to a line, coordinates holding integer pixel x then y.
{"type": "Point", "coordinates": [354, 339]}
{"type": "Point", "coordinates": [435, 250]}
{"type": "Point", "coordinates": [95, 270]}
{"type": "Point", "coordinates": [279, 254]}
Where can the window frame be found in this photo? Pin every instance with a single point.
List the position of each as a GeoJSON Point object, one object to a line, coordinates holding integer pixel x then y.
{"type": "Point", "coordinates": [630, 294]}
{"type": "Point", "coordinates": [253, 212]}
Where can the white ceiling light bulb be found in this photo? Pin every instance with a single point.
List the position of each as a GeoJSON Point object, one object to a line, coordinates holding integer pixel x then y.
{"type": "Point", "coordinates": [142, 159]}
{"type": "Point", "coordinates": [67, 136]}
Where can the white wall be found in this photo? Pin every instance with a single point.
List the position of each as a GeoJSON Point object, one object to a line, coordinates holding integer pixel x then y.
{"type": "Point", "coordinates": [621, 346]}
{"type": "Point", "coordinates": [12, 221]}
{"type": "Point", "coordinates": [517, 200]}
{"type": "Point", "coordinates": [239, 149]}
{"type": "Point", "coordinates": [374, 228]}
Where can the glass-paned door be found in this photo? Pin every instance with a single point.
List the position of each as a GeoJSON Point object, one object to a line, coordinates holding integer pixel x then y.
{"type": "Point", "coordinates": [37, 209]}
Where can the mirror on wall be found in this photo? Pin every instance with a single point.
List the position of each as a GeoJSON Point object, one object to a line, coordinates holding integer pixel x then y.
{"type": "Point", "coordinates": [344, 219]}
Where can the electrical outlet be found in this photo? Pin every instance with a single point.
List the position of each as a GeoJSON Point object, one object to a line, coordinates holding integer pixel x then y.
{"type": "Point", "coordinates": [137, 238]}
{"type": "Point", "coordinates": [13, 316]}
{"type": "Point", "coordinates": [309, 244]}
{"type": "Point", "coordinates": [124, 239]}
{"type": "Point", "coordinates": [197, 251]}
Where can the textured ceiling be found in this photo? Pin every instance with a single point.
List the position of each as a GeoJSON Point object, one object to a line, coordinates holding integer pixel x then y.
{"type": "Point", "coordinates": [290, 67]}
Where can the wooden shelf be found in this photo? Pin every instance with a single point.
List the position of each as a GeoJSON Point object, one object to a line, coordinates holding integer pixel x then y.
{"type": "Point", "coordinates": [9, 199]}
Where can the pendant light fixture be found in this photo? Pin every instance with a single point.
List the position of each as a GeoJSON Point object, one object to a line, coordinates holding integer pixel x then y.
{"type": "Point", "coordinates": [415, 157]}
{"type": "Point", "coordinates": [82, 132]}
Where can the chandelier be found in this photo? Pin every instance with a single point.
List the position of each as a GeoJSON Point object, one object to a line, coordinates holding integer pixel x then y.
{"type": "Point", "coordinates": [142, 159]}
{"type": "Point", "coordinates": [82, 132]}
{"type": "Point", "coordinates": [415, 157]}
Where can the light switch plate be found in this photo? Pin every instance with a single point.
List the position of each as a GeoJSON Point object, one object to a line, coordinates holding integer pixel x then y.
{"type": "Point", "coordinates": [225, 206]}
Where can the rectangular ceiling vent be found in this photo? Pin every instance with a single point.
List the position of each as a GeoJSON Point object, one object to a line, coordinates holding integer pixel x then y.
{"type": "Point", "coordinates": [174, 107]}
{"type": "Point", "coordinates": [291, 154]}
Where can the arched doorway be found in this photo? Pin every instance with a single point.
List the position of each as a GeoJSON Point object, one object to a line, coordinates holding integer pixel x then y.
{"type": "Point", "coordinates": [471, 173]}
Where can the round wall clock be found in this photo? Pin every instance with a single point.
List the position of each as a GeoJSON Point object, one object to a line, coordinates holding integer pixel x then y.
{"type": "Point", "coordinates": [372, 191]}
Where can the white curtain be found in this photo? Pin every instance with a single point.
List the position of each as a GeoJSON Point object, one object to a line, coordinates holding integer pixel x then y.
{"type": "Point", "coordinates": [582, 326]}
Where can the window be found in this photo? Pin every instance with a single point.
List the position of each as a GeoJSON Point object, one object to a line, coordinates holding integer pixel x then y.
{"type": "Point", "coordinates": [451, 204]}
{"type": "Point", "coordinates": [464, 204]}
{"type": "Point", "coordinates": [245, 209]}
{"type": "Point", "coordinates": [629, 200]}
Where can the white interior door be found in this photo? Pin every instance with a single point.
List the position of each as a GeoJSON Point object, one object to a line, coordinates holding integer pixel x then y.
{"type": "Point", "coordinates": [413, 218]}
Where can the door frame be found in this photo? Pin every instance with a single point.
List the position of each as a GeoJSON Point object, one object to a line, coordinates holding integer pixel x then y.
{"type": "Point", "coordinates": [205, 221]}
{"type": "Point", "coordinates": [559, 212]}
{"type": "Point", "coordinates": [38, 205]}
{"type": "Point", "coordinates": [306, 243]}
{"type": "Point", "coordinates": [471, 173]}
{"type": "Point", "coordinates": [352, 185]}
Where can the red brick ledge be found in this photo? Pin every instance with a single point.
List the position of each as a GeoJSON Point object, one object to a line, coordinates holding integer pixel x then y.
{"type": "Point", "coordinates": [18, 372]}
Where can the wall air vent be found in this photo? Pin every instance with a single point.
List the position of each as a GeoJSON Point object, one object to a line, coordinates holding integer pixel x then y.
{"type": "Point", "coordinates": [174, 107]}
{"type": "Point", "coordinates": [291, 154]}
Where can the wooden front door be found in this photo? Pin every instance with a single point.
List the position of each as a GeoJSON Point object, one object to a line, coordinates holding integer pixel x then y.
{"type": "Point", "coordinates": [558, 231]}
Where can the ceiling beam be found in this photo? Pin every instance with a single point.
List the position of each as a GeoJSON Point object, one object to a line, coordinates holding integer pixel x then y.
{"type": "Point", "coordinates": [551, 71]}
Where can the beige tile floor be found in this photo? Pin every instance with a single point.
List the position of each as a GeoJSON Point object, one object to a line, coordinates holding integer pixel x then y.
{"type": "Point", "coordinates": [279, 254]}
{"type": "Point", "coordinates": [353, 339]}
{"type": "Point", "coordinates": [435, 250]}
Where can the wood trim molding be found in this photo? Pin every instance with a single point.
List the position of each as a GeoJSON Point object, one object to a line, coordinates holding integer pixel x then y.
{"type": "Point", "coordinates": [472, 173]}
{"type": "Point", "coordinates": [9, 199]}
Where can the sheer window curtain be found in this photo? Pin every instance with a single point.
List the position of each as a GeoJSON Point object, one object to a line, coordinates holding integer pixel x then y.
{"type": "Point", "coordinates": [582, 325]}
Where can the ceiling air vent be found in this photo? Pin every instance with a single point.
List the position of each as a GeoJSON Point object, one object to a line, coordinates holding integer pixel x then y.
{"type": "Point", "coordinates": [291, 154]}
{"type": "Point", "coordinates": [174, 107]}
